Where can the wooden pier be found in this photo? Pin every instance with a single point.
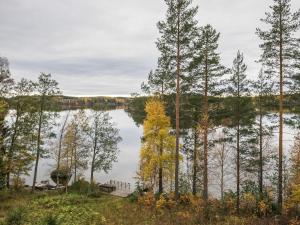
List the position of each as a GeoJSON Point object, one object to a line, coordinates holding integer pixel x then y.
{"type": "Point", "coordinates": [117, 188]}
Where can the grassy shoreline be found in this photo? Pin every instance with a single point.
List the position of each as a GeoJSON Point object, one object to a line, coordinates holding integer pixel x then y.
{"type": "Point", "coordinates": [53, 208]}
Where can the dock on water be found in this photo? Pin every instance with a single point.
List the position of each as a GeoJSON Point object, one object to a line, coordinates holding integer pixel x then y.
{"type": "Point", "coordinates": [116, 188]}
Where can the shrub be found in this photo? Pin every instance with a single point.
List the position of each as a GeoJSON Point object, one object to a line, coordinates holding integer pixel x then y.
{"type": "Point", "coordinates": [248, 203]}
{"type": "Point", "coordinates": [148, 199]}
{"type": "Point", "coordinates": [134, 197]}
{"type": "Point", "coordinates": [50, 220]}
{"type": "Point", "coordinates": [81, 186]}
{"type": "Point", "coordinates": [62, 176]}
{"type": "Point", "coordinates": [94, 194]}
{"type": "Point", "coordinates": [18, 183]}
{"type": "Point", "coordinates": [15, 217]}
{"type": "Point", "coordinates": [293, 203]}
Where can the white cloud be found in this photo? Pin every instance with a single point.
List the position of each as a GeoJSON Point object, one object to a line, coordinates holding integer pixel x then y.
{"type": "Point", "coordinates": [98, 47]}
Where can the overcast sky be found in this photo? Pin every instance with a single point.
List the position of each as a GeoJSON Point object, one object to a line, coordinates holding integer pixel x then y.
{"type": "Point", "coordinates": [106, 47]}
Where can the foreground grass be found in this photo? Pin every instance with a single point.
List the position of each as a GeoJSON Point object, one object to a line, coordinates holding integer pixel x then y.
{"type": "Point", "coordinates": [102, 209]}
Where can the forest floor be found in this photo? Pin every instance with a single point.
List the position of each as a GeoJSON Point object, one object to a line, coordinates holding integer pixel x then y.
{"type": "Point", "coordinates": [53, 208]}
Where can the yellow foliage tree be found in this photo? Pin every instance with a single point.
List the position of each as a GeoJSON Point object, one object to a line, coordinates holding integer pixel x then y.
{"type": "Point", "coordinates": [157, 151]}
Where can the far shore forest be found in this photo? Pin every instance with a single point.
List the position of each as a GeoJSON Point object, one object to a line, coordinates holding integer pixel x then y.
{"type": "Point", "coordinates": [201, 120]}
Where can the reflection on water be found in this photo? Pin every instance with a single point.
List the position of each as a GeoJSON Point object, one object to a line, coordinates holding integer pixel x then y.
{"type": "Point", "coordinates": [128, 159]}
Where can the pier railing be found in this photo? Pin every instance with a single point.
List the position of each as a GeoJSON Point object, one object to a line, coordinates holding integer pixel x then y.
{"type": "Point", "coordinates": [123, 186]}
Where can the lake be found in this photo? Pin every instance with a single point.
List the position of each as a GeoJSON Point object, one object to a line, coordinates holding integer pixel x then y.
{"type": "Point", "coordinates": [128, 158]}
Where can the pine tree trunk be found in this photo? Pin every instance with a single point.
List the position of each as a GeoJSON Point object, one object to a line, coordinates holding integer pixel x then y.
{"type": "Point", "coordinates": [222, 171]}
{"type": "Point", "coordinates": [260, 150]}
{"type": "Point", "coordinates": [195, 162]}
{"type": "Point", "coordinates": [280, 157]}
{"type": "Point", "coordinates": [177, 108]}
{"type": "Point", "coordinates": [238, 152]}
{"type": "Point", "coordinates": [238, 171]}
{"type": "Point", "coordinates": [205, 141]}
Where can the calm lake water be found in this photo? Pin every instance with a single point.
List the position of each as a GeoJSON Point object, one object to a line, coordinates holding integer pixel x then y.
{"type": "Point", "coordinates": [128, 158]}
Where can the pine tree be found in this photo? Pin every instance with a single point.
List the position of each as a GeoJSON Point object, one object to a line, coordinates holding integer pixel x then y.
{"type": "Point", "coordinates": [160, 81]}
{"type": "Point", "coordinates": [242, 113]}
{"type": "Point", "coordinates": [280, 53]}
{"type": "Point", "coordinates": [156, 157]}
{"type": "Point", "coordinates": [177, 34]}
{"type": "Point", "coordinates": [263, 87]}
{"type": "Point", "coordinates": [207, 71]}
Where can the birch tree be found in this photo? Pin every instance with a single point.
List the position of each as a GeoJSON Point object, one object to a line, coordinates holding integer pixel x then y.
{"type": "Point", "coordinates": [104, 140]}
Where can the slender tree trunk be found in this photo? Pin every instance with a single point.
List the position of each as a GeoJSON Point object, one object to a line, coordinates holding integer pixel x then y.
{"type": "Point", "coordinates": [11, 149]}
{"type": "Point", "coordinates": [280, 152]}
{"type": "Point", "coordinates": [238, 171]}
{"type": "Point", "coordinates": [72, 160]}
{"type": "Point", "coordinates": [93, 161]}
{"type": "Point", "coordinates": [38, 144]}
{"type": "Point", "coordinates": [75, 155]}
{"type": "Point", "coordinates": [205, 141]}
{"type": "Point", "coordinates": [60, 146]}
{"type": "Point", "coordinates": [60, 140]}
{"type": "Point", "coordinates": [2, 153]}
{"type": "Point", "coordinates": [160, 185]}
{"type": "Point", "coordinates": [75, 165]}
{"type": "Point", "coordinates": [195, 162]}
{"type": "Point", "coordinates": [68, 168]}
{"type": "Point", "coordinates": [222, 170]}
{"type": "Point", "coordinates": [160, 171]}
{"type": "Point", "coordinates": [260, 149]}
{"type": "Point", "coordinates": [177, 108]}
{"type": "Point", "coordinates": [238, 152]}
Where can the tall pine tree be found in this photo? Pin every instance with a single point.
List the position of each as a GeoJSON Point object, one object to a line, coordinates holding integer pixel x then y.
{"type": "Point", "coordinates": [207, 72]}
{"type": "Point", "coordinates": [241, 114]}
{"type": "Point", "coordinates": [263, 88]}
{"type": "Point", "coordinates": [177, 32]}
{"type": "Point", "coordinates": [280, 50]}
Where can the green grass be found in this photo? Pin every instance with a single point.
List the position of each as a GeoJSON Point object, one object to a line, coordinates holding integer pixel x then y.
{"type": "Point", "coordinates": [66, 209]}
{"type": "Point", "coordinates": [55, 208]}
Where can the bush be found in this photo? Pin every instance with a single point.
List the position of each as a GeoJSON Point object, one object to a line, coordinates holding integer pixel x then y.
{"type": "Point", "coordinates": [18, 183]}
{"type": "Point", "coordinates": [134, 197]}
{"type": "Point", "coordinates": [62, 176]}
{"type": "Point", "coordinates": [248, 203]}
{"type": "Point", "coordinates": [15, 217]}
{"type": "Point", "coordinates": [81, 186]}
{"type": "Point", "coordinates": [51, 220]}
{"type": "Point", "coordinates": [94, 194]}
{"type": "Point", "coordinates": [293, 203]}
